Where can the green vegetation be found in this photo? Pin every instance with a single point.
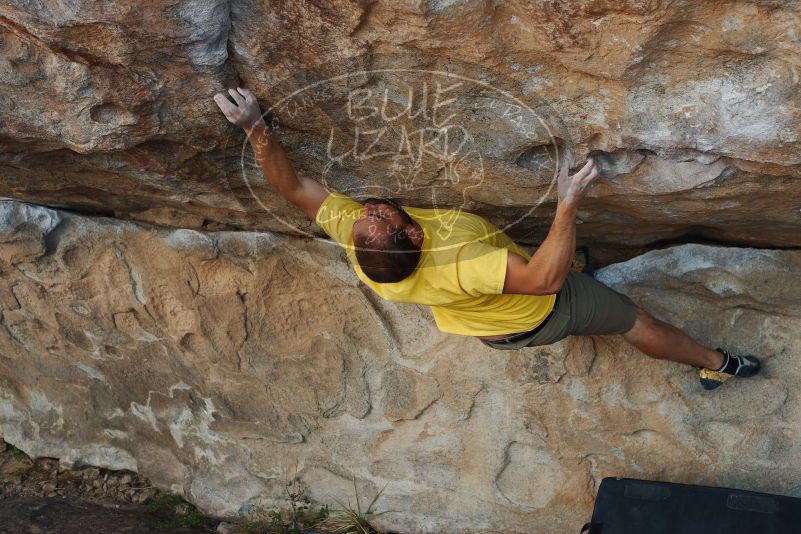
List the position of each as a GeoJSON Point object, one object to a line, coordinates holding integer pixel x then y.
{"type": "Point", "coordinates": [173, 512]}
{"type": "Point", "coordinates": [298, 520]}
{"type": "Point", "coordinates": [348, 520]}
{"type": "Point", "coordinates": [14, 452]}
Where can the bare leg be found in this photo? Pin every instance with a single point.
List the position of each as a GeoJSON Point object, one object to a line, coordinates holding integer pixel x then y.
{"type": "Point", "coordinates": [660, 340]}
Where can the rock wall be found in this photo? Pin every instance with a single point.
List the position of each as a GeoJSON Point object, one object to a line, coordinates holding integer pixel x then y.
{"type": "Point", "coordinates": [218, 364]}
{"type": "Point", "coordinates": [106, 107]}
{"type": "Point", "coordinates": [174, 316]}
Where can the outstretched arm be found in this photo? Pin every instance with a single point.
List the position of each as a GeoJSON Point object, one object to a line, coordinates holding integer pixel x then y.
{"type": "Point", "coordinates": [305, 193]}
{"type": "Point", "coordinates": [548, 268]}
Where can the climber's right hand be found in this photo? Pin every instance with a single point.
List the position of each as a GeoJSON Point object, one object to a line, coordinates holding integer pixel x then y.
{"type": "Point", "coordinates": [571, 189]}
{"type": "Point", "coordinates": [246, 113]}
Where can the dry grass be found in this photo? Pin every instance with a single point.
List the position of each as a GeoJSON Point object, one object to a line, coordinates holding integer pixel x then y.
{"type": "Point", "coordinates": [348, 520]}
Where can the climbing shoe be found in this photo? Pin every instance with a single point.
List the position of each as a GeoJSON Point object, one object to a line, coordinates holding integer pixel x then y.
{"type": "Point", "coordinates": [743, 366]}
{"type": "Point", "coordinates": [581, 261]}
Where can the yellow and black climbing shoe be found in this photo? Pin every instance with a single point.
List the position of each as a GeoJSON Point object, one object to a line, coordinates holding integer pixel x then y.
{"type": "Point", "coordinates": [743, 366]}
{"type": "Point", "coordinates": [581, 260]}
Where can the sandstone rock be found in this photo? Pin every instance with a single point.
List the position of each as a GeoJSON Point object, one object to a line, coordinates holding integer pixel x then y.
{"type": "Point", "coordinates": [107, 108]}
{"type": "Point", "coordinates": [217, 364]}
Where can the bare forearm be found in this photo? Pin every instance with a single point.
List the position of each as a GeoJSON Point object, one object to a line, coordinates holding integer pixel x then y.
{"type": "Point", "coordinates": [546, 271]}
{"type": "Point", "coordinates": [274, 163]}
{"type": "Point", "coordinates": [551, 262]}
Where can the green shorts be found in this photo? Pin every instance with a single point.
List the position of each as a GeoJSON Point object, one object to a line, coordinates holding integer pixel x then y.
{"type": "Point", "coordinates": [585, 307]}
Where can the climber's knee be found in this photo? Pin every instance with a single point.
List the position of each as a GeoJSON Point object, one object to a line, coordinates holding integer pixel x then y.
{"type": "Point", "coordinates": [643, 322]}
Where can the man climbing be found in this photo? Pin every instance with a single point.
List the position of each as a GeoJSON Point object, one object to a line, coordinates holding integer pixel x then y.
{"type": "Point", "coordinates": [476, 280]}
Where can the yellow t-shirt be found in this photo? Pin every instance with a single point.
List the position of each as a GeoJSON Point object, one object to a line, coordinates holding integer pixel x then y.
{"type": "Point", "coordinates": [461, 271]}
